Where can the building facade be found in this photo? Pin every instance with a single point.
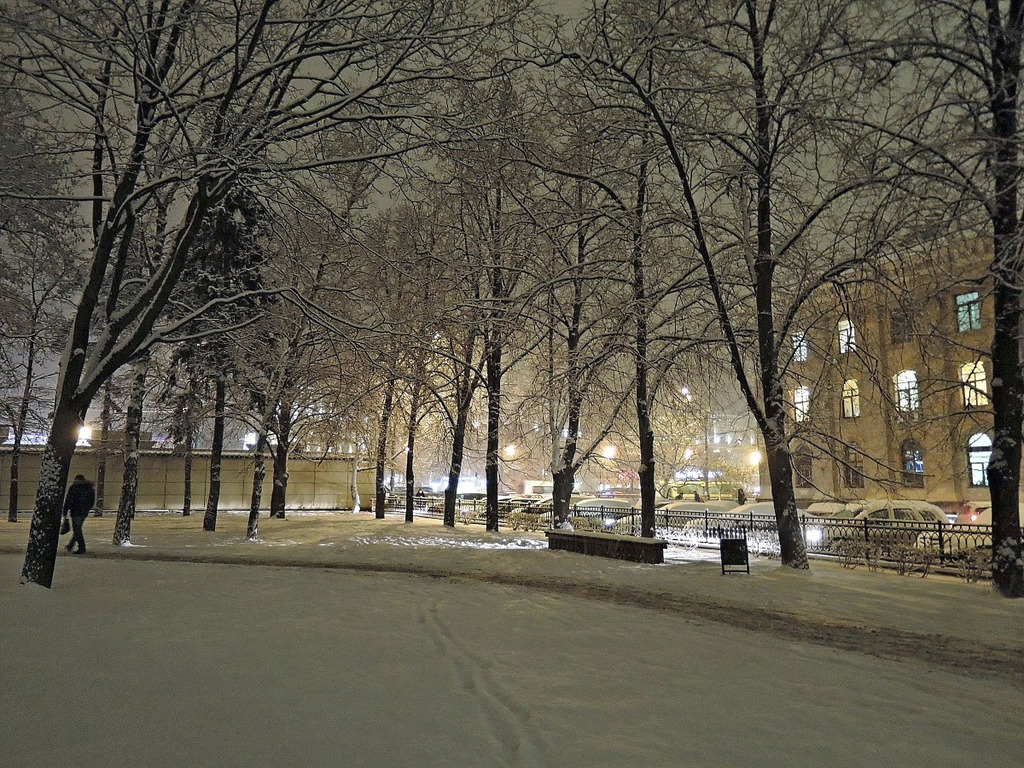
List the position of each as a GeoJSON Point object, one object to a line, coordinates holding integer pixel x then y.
{"type": "Point", "coordinates": [889, 387]}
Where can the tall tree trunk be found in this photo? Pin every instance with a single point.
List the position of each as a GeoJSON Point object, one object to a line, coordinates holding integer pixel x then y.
{"type": "Point", "coordinates": [356, 501]}
{"type": "Point", "coordinates": [1008, 272]}
{"type": "Point", "coordinates": [643, 397]}
{"type": "Point", "coordinates": [451, 491]}
{"type": "Point", "coordinates": [190, 442]}
{"type": "Point", "coordinates": [493, 347]}
{"type": "Point", "coordinates": [382, 450]}
{"type": "Point", "coordinates": [466, 386]}
{"type": "Point", "coordinates": [216, 451]}
{"type": "Point", "coordinates": [792, 550]}
{"type": "Point", "coordinates": [564, 474]}
{"type": "Point", "coordinates": [44, 535]}
{"type": "Point", "coordinates": [130, 481]}
{"type": "Point", "coordinates": [106, 413]}
{"type": "Point", "coordinates": [259, 474]}
{"type": "Point", "coordinates": [492, 352]}
{"type": "Point", "coordinates": [278, 495]}
{"type": "Point", "coordinates": [410, 448]}
{"type": "Point", "coordinates": [19, 429]}
{"type": "Point", "coordinates": [562, 481]}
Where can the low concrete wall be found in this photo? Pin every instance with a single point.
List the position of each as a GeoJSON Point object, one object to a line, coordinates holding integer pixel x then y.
{"type": "Point", "coordinates": [312, 483]}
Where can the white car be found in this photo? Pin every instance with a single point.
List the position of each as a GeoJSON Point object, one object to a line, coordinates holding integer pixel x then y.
{"type": "Point", "coordinates": [887, 523]}
{"type": "Point", "coordinates": [831, 508]}
{"type": "Point", "coordinates": [699, 506]}
{"type": "Point", "coordinates": [972, 530]}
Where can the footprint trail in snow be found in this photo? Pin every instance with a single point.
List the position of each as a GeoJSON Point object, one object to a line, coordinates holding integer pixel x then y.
{"type": "Point", "coordinates": [508, 722]}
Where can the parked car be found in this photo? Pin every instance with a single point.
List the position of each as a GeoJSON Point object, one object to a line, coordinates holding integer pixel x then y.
{"type": "Point", "coordinates": [831, 508]}
{"type": "Point", "coordinates": [700, 506]}
{"type": "Point", "coordinates": [886, 523]}
{"type": "Point", "coordinates": [608, 509]}
{"type": "Point", "coordinates": [744, 515]}
{"type": "Point", "coordinates": [971, 531]}
{"type": "Point", "coordinates": [980, 513]}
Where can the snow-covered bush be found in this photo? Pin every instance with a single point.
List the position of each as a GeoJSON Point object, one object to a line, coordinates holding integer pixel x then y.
{"type": "Point", "coordinates": [972, 564]}
{"type": "Point", "coordinates": [913, 560]}
{"type": "Point", "coordinates": [581, 523]}
{"type": "Point", "coordinates": [852, 553]}
{"type": "Point", "coordinates": [528, 521]}
{"type": "Point", "coordinates": [763, 543]}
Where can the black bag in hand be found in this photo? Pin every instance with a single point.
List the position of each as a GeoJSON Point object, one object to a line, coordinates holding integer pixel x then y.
{"type": "Point", "coordinates": [65, 527]}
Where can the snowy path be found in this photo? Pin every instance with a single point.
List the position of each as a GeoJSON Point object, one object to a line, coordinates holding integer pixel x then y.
{"type": "Point", "coordinates": [204, 664]}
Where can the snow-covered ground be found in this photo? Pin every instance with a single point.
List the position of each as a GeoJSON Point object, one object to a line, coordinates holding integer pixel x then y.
{"type": "Point", "coordinates": [333, 642]}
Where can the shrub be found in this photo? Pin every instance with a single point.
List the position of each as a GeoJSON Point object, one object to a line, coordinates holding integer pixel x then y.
{"type": "Point", "coordinates": [972, 564]}
{"type": "Point", "coordinates": [912, 560]}
{"type": "Point", "coordinates": [853, 552]}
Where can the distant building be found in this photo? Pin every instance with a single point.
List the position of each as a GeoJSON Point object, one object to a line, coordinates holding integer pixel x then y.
{"type": "Point", "coordinates": [889, 387]}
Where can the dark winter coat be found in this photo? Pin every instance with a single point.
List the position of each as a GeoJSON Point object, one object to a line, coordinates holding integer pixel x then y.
{"type": "Point", "coordinates": [80, 498]}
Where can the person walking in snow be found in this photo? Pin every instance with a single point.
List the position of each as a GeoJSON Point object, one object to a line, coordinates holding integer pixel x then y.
{"type": "Point", "coordinates": [77, 503]}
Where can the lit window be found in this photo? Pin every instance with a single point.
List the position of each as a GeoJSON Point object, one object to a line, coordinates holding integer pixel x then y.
{"type": "Point", "coordinates": [851, 399]}
{"type": "Point", "coordinates": [847, 336]}
{"type": "Point", "coordinates": [801, 347]}
{"type": "Point", "coordinates": [801, 403]}
{"type": "Point", "coordinates": [913, 464]}
{"type": "Point", "coordinates": [853, 467]}
{"type": "Point", "coordinates": [979, 451]}
{"type": "Point", "coordinates": [908, 399]}
{"type": "Point", "coordinates": [968, 311]}
{"type": "Point", "coordinates": [975, 386]}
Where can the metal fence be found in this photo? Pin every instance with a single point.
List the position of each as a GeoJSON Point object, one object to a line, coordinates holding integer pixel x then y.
{"type": "Point", "coordinates": [947, 542]}
{"type": "Point", "coordinates": [826, 535]}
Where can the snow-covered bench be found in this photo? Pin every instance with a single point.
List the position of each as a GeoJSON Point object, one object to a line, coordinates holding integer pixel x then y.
{"type": "Point", "coordinates": [634, 548]}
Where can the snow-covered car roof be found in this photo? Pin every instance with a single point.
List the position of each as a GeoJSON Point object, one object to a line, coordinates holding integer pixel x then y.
{"type": "Point", "coordinates": [699, 506]}
{"type": "Point", "coordinates": [924, 508]}
{"type": "Point", "coordinates": [834, 508]}
{"type": "Point", "coordinates": [607, 503]}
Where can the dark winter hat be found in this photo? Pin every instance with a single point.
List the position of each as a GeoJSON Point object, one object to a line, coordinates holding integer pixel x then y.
{"type": "Point", "coordinates": [80, 479]}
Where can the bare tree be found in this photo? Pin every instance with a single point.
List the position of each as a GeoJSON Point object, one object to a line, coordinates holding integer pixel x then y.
{"type": "Point", "coordinates": [958, 67]}
{"type": "Point", "coordinates": [38, 274]}
{"type": "Point", "coordinates": [177, 103]}
{"type": "Point", "coordinates": [740, 100]}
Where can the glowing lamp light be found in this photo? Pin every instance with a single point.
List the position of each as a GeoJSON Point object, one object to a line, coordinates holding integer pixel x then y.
{"type": "Point", "coordinates": [84, 435]}
{"type": "Point", "coordinates": [510, 451]}
{"type": "Point", "coordinates": [755, 458]}
{"type": "Point", "coordinates": [609, 452]}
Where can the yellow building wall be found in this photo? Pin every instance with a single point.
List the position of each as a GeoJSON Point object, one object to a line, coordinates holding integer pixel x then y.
{"type": "Point", "coordinates": [312, 483]}
{"type": "Point", "coordinates": [936, 352]}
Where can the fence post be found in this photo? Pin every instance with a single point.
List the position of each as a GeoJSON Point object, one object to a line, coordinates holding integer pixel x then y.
{"type": "Point", "coordinates": [867, 538]}
{"type": "Point", "coordinates": [942, 545]}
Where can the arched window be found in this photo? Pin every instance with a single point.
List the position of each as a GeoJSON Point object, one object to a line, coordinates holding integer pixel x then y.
{"type": "Point", "coordinates": [908, 398]}
{"type": "Point", "coordinates": [847, 336]}
{"type": "Point", "coordinates": [979, 451]}
{"type": "Point", "coordinates": [912, 458]}
{"type": "Point", "coordinates": [851, 399]}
